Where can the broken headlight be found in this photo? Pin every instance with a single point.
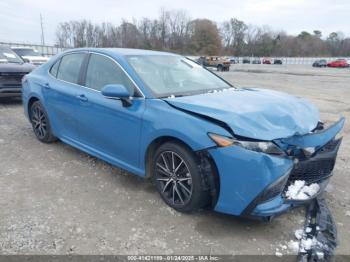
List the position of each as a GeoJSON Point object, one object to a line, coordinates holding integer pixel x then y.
{"type": "Point", "coordinates": [258, 146]}
{"type": "Point", "coordinates": [264, 147]}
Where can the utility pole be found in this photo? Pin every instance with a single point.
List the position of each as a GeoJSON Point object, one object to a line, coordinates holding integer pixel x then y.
{"type": "Point", "coordinates": [42, 30]}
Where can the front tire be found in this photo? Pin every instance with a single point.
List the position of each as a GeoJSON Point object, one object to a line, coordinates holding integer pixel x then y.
{"type": "Point", "coordinates": [40, 123]}
{"type": "Point", "coordinates": [178, 179]}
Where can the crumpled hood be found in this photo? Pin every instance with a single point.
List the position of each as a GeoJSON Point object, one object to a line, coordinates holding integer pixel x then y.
{"type": "Point", "coordinates": [254, 113]}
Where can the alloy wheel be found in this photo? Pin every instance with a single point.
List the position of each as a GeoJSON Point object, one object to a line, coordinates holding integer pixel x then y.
{"type": "Point", "coordinates": [173, 178]}
{"type": "Point", "coordinates": [39, 121]}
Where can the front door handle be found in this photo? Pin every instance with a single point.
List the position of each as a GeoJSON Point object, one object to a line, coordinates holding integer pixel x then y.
{"type": "Point", "coordinates": [47, 86]}
{"type": "Point", "coordinates": [82, 97]}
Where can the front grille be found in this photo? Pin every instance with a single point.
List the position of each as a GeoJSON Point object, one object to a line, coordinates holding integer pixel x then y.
{"type": "Point", "coordinates": [312, 171]}
{"type": "Point", "coordinates": [11, 79]}
{"type": "Point", "coordinates": [318, 167]}
{"type": "Point", "coordinates": [330, 146]}
{"type": "Point", "coordinates": [11, 76]}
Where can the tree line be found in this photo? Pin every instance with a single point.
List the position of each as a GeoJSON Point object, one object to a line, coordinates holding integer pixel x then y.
{"type": "Point", "coordinates": [175, 31]}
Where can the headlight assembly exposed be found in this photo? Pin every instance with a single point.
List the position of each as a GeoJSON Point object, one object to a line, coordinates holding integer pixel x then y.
{"type": "Point", "coordinates": [258, 146]}
{"type": "Point", "coordinates": [221, 141]}
{"type": "Point", "coordinates": [264, 147]}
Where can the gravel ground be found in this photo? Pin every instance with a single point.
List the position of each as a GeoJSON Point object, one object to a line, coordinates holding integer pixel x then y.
{"type": "Point", "coordinates": [57, 200]}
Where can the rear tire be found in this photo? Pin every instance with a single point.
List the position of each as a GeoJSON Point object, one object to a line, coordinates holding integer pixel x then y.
{"type": "Point", "coordinates": [178, 179]}
{"type": "Point", "coordinates": [40, 123]}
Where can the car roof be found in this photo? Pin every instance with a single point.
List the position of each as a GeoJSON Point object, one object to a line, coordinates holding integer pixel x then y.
{"type": "Point", "coordinates": [123, 51]}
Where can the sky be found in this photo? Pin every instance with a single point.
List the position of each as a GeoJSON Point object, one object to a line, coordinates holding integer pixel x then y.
{"type": "Point", "coordinates": [20, 19]}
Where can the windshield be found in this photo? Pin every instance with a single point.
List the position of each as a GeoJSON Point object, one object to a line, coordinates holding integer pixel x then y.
{"type": "Point", "coordinates": [168, 75]}
{"type": "Point", "coordinates": [8, 56]}
{"type": "Point", "coordinates": [26, 52]}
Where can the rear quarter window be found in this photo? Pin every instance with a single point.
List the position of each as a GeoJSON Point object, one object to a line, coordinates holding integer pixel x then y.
{"type": "Point", "coordinates": [54, 68]}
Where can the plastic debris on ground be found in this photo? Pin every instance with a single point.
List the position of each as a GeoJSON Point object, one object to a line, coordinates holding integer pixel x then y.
{"type": "Point", "coordinates": [299, 190]}
{"type": "Point", "coordinates": [293, 246]}
{"type": "Point", "coordinates": [319, 237]}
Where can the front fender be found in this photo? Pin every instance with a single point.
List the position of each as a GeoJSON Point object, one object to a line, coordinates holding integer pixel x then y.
{"type": "Point", "coordinates": [162, 120]}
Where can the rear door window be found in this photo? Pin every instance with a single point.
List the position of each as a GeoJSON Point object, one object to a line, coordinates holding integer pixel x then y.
{"type": "Point", "coordinates": [69, 69]}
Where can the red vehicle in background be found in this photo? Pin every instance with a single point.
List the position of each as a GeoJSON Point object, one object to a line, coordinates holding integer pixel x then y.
{"type": "Point", "coordinates": [338, 63]}
{"type": "Point", "coordinates": [266, 61]}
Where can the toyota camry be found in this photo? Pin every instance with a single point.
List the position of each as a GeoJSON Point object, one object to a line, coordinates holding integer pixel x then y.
{"type": "Point", "coordinates": [205, 143]}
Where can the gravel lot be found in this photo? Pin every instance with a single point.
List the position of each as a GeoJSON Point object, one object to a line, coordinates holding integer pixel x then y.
{"type": "Point", "coordinates": [56, 200]}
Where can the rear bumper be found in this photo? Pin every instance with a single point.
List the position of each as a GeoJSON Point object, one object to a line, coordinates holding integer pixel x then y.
{"type": "Point", "coordinates": [253, 184]}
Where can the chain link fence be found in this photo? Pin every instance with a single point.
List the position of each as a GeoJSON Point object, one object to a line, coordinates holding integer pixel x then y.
{"type": "Point", "coordinates": [45, 50]}
{"type": "Point", "coordinates": [48, 50]}
{"type": "Point", "coordinates": [292, 60]}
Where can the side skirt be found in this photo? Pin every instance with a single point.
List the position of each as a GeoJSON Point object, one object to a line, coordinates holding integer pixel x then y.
{"type": "Point", "coordinates": [103, 156]}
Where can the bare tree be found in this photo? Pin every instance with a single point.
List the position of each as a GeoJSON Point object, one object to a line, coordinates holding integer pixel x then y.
{"type": "Point", "coordinates": [178, 29]}
{"type": "Point", "coordinates": [234, 33]}
{"type": "Point", "coordinates": [129, 35]}
{"type": "Point", "coordinates": [64, 35]}
{"type": "Point", "coordinates": [173, 30]}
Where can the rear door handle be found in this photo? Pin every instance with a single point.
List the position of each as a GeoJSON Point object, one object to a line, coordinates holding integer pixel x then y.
{"type": "Point", "coordinates": [82, 97]}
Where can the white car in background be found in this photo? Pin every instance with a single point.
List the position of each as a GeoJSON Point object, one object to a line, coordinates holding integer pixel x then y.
{"type": "Point", "coordinates": [30, 55]}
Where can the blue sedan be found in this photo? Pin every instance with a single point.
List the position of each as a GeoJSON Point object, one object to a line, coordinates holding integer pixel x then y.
{"type": "Point", "coordinates": [205, 143]}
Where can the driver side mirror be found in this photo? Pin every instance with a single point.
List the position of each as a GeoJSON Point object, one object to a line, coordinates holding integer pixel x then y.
{"type": "Point", "coordinates": [117, 91]}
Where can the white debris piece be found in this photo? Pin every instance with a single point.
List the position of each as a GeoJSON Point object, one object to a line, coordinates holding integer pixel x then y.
{"type": "Point", "coordinates": [293, 246]}
{"type": "Point", "coordinates": [278, 254]}
{"type": "Point", "coordinates": [307, 244]}
{"type": "Point", "coordinates": [300, 191]}
{"type": "Point", "coordinates": [283, 246]}
{"type": "Point", "coordinates": [347, 213]}
{"type": "Point", "coordinates": [298, 234]}
{"type": "Point", "coordinates": [320, 255]}
{"type": "Point", "coordinates": [308, 229]}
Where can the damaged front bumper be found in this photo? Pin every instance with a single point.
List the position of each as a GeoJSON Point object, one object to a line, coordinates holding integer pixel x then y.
{"type": "Point", "coordinates": [319, 230]}
{"type": "Point", "coordinates": [254, 184]}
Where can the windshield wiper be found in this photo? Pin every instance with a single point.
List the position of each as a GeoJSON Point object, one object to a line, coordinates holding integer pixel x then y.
{"type": "Point", "coordinates": [184, 62]}
{"type": "Point", "coordinates": [170, 96]}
